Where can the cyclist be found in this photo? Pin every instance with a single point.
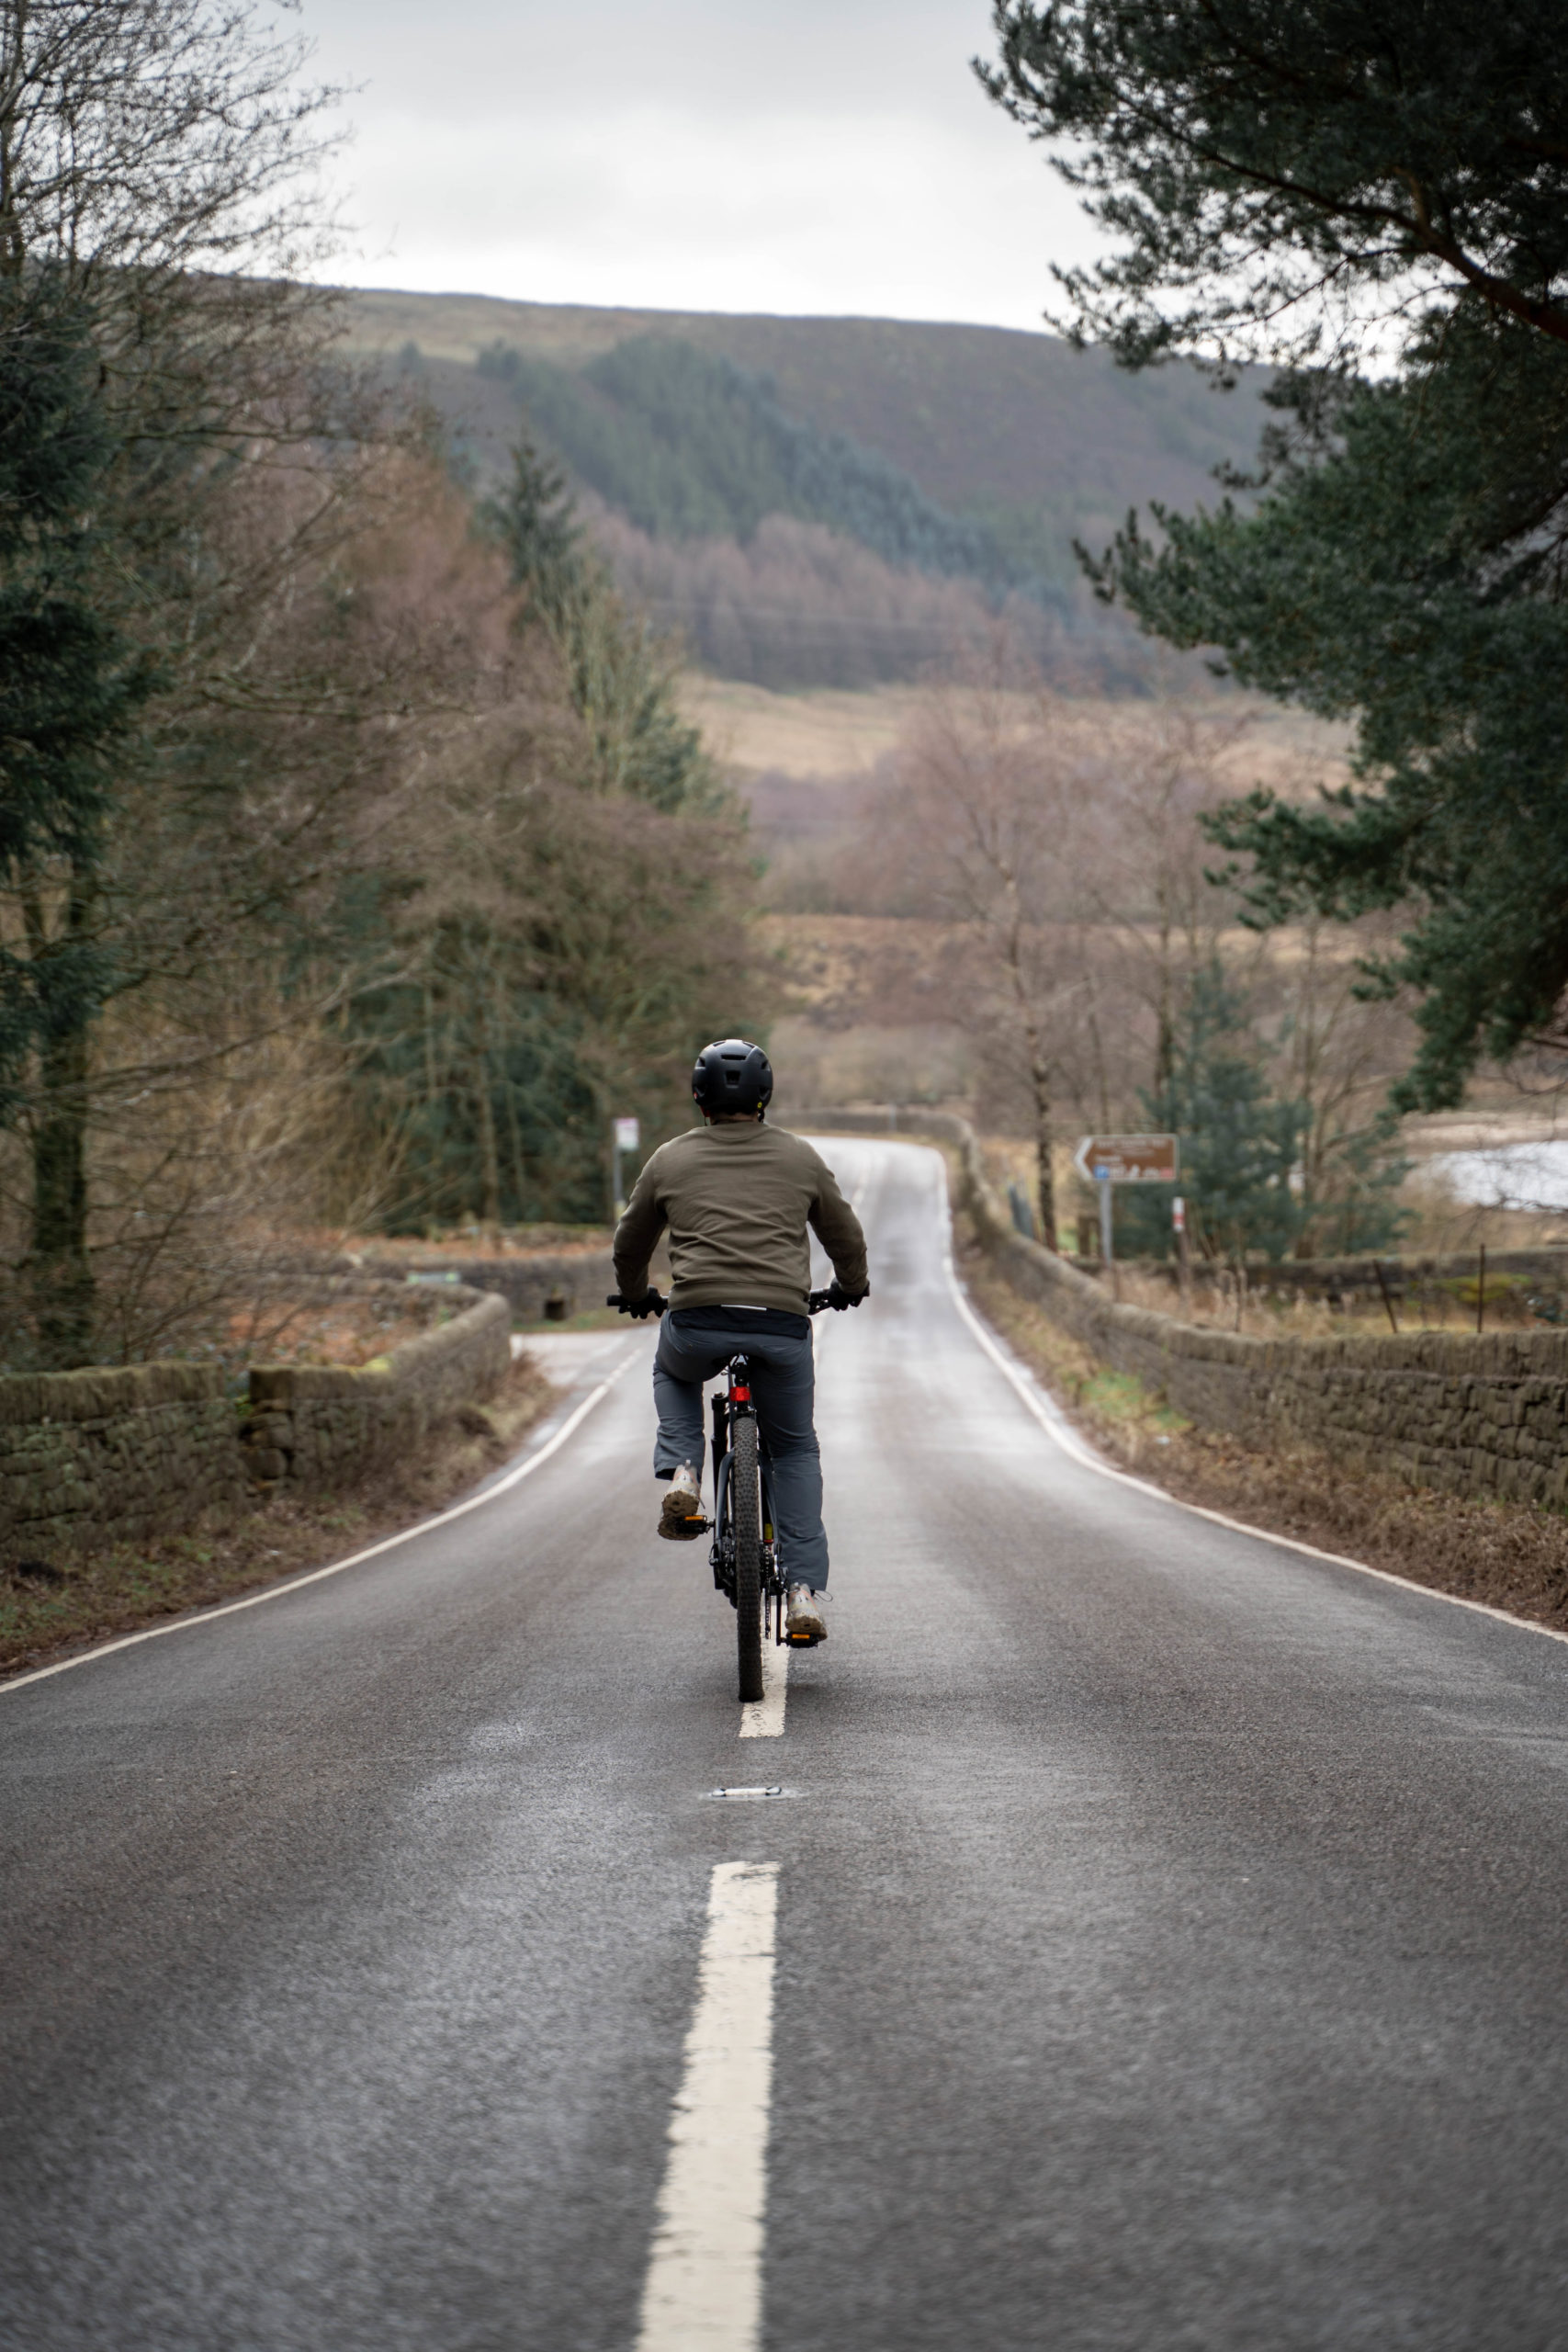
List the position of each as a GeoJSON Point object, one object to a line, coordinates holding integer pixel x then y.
{"type": "Point", "coordinates": [736, 1197]}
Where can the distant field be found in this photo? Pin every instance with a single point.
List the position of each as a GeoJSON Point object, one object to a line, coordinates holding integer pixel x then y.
{"type": "Point", "coordinates": [824, 734]}
{"type": "Point", "coordinates": [820, 732]}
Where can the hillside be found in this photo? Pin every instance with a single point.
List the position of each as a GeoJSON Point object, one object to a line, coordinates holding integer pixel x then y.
{"type": "Point", "coordinates": [823, 501]}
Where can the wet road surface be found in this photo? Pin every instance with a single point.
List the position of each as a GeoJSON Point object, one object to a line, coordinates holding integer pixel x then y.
{"type": "Point", "coordinates": [1164, 1932]}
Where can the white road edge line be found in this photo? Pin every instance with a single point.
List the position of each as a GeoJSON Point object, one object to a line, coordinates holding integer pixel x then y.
{"type": "Point", "coordinates": [1062, 1434]}
{"type": "Point", "coordinates": [335, 1569]}
{"type": "Point", "coordinates": [703, 2289]}
{"type": "Point", "coordinates": [763, 1718]}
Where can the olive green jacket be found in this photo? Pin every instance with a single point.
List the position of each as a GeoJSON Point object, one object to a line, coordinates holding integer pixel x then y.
{"type": "Point", "coordinates": [736, 1200]}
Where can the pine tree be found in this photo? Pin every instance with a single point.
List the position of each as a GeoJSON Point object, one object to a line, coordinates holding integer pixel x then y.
{"type": "Point", "coordinates": [534, 518]}
{"type": "Point", "coordinates": [71, 687]}
{"type": "Point", "coordinates": [1240, 1145]}
{"type": "Point", "coordinates": [620, 676]}
{"type": "Point", "coordinates": [1372, 195]}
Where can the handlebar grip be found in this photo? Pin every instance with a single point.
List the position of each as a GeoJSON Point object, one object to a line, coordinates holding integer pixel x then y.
{"type": "Point", "coordinates": [837, 1298]}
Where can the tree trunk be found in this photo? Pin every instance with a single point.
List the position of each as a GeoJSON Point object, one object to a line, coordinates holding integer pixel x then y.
{"type": "Point", "coordinates": [1039, 1081]}
{"type": "Point", "coordinates": [1101, 1083]}
{"type": "Point", "coordinates": [489, 1156]}
{"type": "Point", "coordinates": [57, 1269]}
{"type": "Point", "coordinates": [59, 1272]}
{"type": "Point", "coordinates": [1045, 1181]}
{"type": "Point", "coordinates": [477, 983]}
{"type": "Point", "coordinates": [1165, 1024]}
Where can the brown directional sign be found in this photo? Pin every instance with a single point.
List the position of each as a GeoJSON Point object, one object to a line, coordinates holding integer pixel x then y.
{"type": "Point", "coordinates": [1129, 1160]}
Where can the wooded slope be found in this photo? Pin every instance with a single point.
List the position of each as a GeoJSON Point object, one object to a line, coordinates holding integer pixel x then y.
{"type": "Point", "coordinates": [1010, 442]}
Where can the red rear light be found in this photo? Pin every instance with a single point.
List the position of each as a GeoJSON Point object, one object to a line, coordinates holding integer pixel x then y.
{"type": "Point", "coordinates": [740, 1394]}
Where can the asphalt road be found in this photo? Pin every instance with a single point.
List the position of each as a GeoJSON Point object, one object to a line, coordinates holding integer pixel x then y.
{"type": "Point", "coordinates": [1169, 1927]}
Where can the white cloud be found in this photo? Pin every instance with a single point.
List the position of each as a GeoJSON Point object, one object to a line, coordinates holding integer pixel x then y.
{"type": "Point", "coordinates": [764, 158]}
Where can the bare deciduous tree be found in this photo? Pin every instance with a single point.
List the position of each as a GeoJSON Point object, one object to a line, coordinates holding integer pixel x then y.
{"type": "Point", "coordinates": [1062, 841]}
{"type": "Point", "coordinates": [992, 778]}
{"type": "Point", "coordinates": [156, 208]}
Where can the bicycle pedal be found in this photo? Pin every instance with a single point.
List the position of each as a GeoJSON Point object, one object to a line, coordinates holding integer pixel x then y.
{"type": "Point", "coordinates": [805, 1640]}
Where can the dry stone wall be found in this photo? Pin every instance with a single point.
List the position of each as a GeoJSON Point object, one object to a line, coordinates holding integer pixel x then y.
{"type": "Point", "coordinates": [90, 1458]}
{"type": "Point", "coordinates": [535, 1282]}
{"type": "Point", "coordinates": [128, 1453]}
{"type": "Point", "coordinates": [317, 1425]}
{"type": "Point", "coordinates": [576, 1280]}
{"type": "Point", "coordinates": [1474, 1414]}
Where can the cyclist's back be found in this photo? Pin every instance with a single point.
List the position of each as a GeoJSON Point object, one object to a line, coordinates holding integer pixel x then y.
{"type": "Point", "coordinates": [737, 1199]}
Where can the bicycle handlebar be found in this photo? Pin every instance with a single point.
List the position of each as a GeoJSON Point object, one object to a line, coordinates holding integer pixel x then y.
{"type": "Point", "coordinates": [651, 1303]}
{"type": "Point", "coordinates": [837, 1297]}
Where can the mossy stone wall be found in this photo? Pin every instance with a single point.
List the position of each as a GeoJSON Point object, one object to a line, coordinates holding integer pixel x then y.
{"type": "Point", "coordinates": [122, 1455]}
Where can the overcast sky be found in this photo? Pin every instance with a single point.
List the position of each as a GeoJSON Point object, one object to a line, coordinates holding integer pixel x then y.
{"type": "Point", "coordinates": [832, 157]}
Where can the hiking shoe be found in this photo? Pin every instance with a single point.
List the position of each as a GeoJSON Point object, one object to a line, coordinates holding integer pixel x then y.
{"type": "Point", "coordinates": [681, 1513]}
{"type": "Point", "coordinates": [804, 1622]}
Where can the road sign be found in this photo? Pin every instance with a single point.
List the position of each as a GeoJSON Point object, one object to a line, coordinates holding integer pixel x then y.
{"type": "Point", "coordinates": [627, 1135]}
{"type": "Point", "coordinates": [1129, 1160]}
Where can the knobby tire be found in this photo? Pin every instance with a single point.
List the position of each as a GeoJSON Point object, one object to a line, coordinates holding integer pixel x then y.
{"type": "Point", "coordinates": [746, 1511]}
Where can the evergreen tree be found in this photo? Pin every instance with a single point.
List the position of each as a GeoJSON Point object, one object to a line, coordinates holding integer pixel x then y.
{"type": "Point", "coordinates": [71, 687]}
{"type": "Point", "coordinates": [536, 520]}
{"type": "Point", "coordinates": [1354, 1207]}
{"type": "Point", "coordinates": [1240, 1146]}
{"type": "Point", "coordinates": [1244, 1149]}
{"type": "Point", "coordinates": [1285, 178]}
{"type": "Point", "coordinates": [689, 446]}
{"type": "Point", "coordinates": [1325, 184]}
{"type": "Point", "coordinates": [157, 213]}
{"type": "Point", "coordinates": [620, 676]}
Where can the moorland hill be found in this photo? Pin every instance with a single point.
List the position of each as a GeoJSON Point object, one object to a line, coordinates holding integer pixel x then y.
{"type": "Point", "coordinates": [823, 501]}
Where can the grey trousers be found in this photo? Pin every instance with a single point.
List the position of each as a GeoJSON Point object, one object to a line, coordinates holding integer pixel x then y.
{"type": "Point", "coordinates": [783, 1383]}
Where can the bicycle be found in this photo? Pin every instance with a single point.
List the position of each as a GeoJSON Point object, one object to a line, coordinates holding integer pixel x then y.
{"type": "Point", "coordinates": [744, 1556]}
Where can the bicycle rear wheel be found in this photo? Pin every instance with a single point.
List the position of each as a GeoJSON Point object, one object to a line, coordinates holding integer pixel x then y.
{"type": "Point", "coordinates": [747, 1518]}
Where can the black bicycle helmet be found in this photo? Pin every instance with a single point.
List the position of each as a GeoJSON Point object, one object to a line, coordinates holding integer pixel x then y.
{"type": "Point", "coordinates": [732, 1075]}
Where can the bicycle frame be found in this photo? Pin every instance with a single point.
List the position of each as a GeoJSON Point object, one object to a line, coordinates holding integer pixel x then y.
{"type": "Point", "coordinates": [734, 1406]}
{"type": "Point", "coordinates": [727, 1406]}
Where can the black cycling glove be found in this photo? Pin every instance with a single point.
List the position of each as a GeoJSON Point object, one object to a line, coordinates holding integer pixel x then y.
{"type": "Point", "coordinates": [838, 1297]}
{"type": "Point", "coordinates": [640, 1309]}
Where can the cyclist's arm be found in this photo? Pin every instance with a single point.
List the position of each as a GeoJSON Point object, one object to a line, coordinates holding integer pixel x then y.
{"type": "Point", "coordinates": [636, 1234]}
{"type": "Point", "coordinates": [838, 1228]}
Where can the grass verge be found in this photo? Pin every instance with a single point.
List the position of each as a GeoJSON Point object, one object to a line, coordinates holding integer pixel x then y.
{"type": "Point", "coordinates": [1511, 1556]}
{"type": "Point", "coordinates": [81, 1598]}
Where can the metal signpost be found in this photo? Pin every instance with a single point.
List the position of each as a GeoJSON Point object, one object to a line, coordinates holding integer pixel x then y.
{"type": "Point", "coordinates": [1184, 1264]}
{"type": "Point", "coordinates": [628, 1136]}
{"type": "Point", "coordinates": [1105, 1161]}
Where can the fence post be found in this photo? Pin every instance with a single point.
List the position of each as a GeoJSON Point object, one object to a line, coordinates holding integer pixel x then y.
{"type": "Point", "coordinates": [1393, 1319]}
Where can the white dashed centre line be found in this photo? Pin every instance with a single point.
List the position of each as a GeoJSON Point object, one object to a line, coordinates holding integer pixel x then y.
{"type": "Point", "coordinates": [704, 2291]}
{"type": "Point", "coordinates": [763, 1718]}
